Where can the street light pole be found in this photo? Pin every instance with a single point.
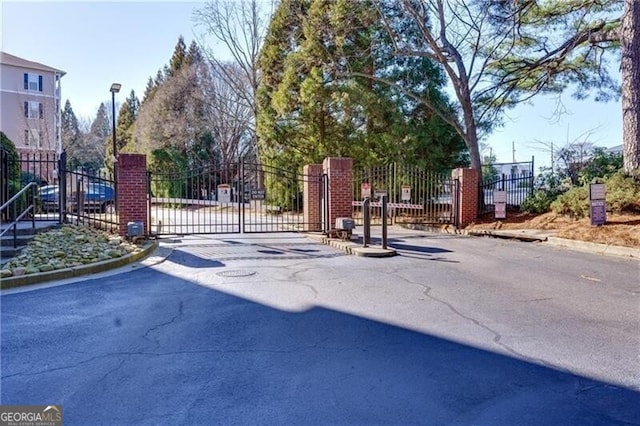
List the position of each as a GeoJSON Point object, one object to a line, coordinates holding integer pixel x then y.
{"type": "Point", "coordinates": [115, 88]}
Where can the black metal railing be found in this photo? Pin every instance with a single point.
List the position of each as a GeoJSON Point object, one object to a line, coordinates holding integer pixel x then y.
{"type": "Point", "coordinates": [86, 197]}
{"type": "Point", "coordinates": [80, 196]}
{"type": "Point", "coordinates": [18, 208]}
{"type": "Point", "coordinates": [415, 195]}
{"type": "Point", "coordinates": [517, 185]}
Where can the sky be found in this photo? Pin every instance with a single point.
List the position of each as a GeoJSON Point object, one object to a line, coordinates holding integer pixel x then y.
{"type": "Point", "coordinates": [98, 43]}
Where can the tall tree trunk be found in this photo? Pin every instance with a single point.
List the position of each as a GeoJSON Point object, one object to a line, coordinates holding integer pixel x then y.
{"type": "Point", "coordinates": [630, 66]}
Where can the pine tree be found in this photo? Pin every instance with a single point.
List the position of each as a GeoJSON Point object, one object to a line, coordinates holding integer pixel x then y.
{"type": "Point", "coordinates": [97, 142]}
{"type": "Point", "coordinates": [194, 55]}
{"type": "Point", "coordinates": [71, 136]}
{"type": "Point", "coordinates": [149, 90]}
{"type": "Point", "coordinates": [178, 59]}
{"type": "Point", "coordinates": [126, 119]}
{"type": "Point", "coordinates": [314, 104]}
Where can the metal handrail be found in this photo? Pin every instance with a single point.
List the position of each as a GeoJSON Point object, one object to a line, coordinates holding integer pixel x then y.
{"type": "Point", "coordinates": [31, 207]}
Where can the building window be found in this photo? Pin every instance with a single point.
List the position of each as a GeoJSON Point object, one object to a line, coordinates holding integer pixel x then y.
{"type": "Point", "coordinates": [33, 109]}
{"type": "Point", "coordinates": [32, 138]}
{"type": "Point", "coordinates": [32, 82]}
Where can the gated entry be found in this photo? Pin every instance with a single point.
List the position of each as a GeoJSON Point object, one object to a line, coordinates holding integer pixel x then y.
{"type": "Point", "coordinates": [415, 195]}
{"type": "Point", "coordinates": [233, 198]}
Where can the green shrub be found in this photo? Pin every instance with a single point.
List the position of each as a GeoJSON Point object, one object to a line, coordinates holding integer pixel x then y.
{"type": "Point", "coordinates": [623, 193]}
{"type": "Point", "coordinates": [547, 187]}
{"type": "Point", "coordinates": [539, 202]}
{"type": "Point", "coordinates": [574, 203]}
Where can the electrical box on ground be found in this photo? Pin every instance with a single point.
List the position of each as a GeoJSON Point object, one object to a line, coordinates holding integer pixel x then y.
{"type": "Point", "coordinates": [344, 227]}
{"type": "Point", "coordinates": [135, 229]}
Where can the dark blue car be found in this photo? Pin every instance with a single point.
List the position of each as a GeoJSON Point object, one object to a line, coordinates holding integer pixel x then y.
{"type": "Point", "coordinates": [98, 197]}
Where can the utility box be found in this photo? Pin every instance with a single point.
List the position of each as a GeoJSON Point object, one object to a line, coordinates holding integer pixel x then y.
{"type": "Point", "coordinates": [344, 227]}
{"type": "Point", "coordinates": [345, 224]}
{"type": "Point", "coordinates": [135, 229]}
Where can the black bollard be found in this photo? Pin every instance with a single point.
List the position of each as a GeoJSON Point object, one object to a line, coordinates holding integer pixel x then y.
{"type": "Point", "coordinates": [384, 221]}
{"type": "Point", "coordinates": [366, 217]}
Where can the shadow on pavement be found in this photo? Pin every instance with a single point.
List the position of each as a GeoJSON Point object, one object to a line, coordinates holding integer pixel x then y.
{"type": "Point", "coordinates": [192, 261]}
{"type": "Point", "coordinates": [187, 354]}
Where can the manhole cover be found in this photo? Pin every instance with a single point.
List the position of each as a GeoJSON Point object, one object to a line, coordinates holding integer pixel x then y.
{"type": "Point", "coordinates": [236, 273]}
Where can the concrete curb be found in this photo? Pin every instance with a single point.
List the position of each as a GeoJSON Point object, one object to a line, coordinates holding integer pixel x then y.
{"type": "Point", "coordinates": [350, 247]}
{"type": "Point", "coordinates": [526, 235]}
{"type": "Point", "coordinates": [534, 235]}
{"type": "Point", "coordinates": [595, 248]}
{"type": "Point", "coordinates": [92, 268]}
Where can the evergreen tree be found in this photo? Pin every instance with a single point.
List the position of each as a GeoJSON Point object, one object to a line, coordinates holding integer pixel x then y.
{"type": "Point", "coordinates": [72, 138]}
{"type": "Point", "coordinates": [97, 142]}
{"type": "Point", "coordinates": [178, 59]}
{"type": "Point", "coordinates": [126, 119]}
{"type": "Point", "coordinates": [313, 104]}
{"type": "Point", "coordinates": [194, 55]}
{"type": "Point", "coordinates": [149, 90]}
{"type": "Point", "coordinates": [101, 125]}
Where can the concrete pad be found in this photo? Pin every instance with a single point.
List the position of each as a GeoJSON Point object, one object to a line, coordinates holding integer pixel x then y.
{"type": "Point", "coordinates": [373, 252]}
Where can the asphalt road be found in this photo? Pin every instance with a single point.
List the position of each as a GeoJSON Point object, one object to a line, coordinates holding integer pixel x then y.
{"type": "Point", "coordinates": [279, 329]}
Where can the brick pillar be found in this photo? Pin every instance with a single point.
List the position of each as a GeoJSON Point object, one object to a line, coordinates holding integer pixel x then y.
{"type": "Point", "coordinates": [132, 191]}
{"type": "Point", "coordinates": [467, 195]}
{"type": "Point", "coordinates": [340, 175]}
{"type": "Point", "coordinates": [312, 193]}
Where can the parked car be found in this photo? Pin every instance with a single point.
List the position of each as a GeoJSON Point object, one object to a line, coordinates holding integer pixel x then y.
{"type": "Point", "coordinates": [98, 197]}
{"type": "Point", "coordinates": [49, 198]}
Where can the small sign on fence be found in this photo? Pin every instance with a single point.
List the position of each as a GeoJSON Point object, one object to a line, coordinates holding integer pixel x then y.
{"type": "Point", "coordinates": [257, 194]}
{"type": "Point", "coordinates": [224, 193]}
{"type": "Point", "coordinates": [406, 193]}
{"type": "Point", "coordinates": [365, 189]}
{"type": "Point", "coordinates": [378, 193]}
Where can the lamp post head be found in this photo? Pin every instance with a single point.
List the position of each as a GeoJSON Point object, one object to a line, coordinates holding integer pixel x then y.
{"type": "Point", "coordinates": [115, 87]}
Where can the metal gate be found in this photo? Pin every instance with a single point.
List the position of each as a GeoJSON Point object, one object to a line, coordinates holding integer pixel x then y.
{"type": "Point", "coordinates": [415, 195]}
{"type": "Point", "coordinates": [238, 197]}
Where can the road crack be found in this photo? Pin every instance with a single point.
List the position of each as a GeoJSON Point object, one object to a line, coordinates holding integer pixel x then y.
{"type": "Point", "coordinates": [155, 328]}
{"type": "Point", "coordinates": [497, 337]}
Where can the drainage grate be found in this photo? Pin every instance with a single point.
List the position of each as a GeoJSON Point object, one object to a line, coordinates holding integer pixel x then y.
{"type": "Point", "coordinates": [236, 273]}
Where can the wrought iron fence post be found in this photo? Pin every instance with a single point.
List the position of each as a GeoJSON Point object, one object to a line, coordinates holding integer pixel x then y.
{"type": "Point", "coordinates": [62, 188]}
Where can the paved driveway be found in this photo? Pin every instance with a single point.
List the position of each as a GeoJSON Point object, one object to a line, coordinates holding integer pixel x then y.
{"type": "Point", "coordinates": [279, 329]}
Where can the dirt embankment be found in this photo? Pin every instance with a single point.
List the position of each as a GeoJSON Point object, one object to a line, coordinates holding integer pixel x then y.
{"type": "Point", "coordinates": [620, 229]}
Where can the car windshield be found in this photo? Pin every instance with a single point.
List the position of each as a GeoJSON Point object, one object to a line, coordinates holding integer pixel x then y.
{"type": "Point", "coordinates": [48, 189]}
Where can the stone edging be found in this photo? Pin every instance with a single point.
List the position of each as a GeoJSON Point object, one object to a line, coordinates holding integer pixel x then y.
{"type": "Point", "coordinates": [92, 268]}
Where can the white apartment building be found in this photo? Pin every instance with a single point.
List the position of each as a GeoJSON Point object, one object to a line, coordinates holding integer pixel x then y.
{"type": "Point", "coordinates": [30, 106]}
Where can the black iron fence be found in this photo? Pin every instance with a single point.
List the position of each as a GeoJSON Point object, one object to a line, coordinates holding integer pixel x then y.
{"type": "Point", "coordinates": [228, 198]}
{"type": "Point", "coordinates": [22, 169]}
{"type": "Point", "coordinates": [80, 196]}
{"type": "Point", "coordinates": [415, 195]}
{"type": "Point", "coordinates": [515, 179]}
{"type": "Point", "coordinates": [4, 179]}
{"type": "Point", "coordinates": [86, 196]}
